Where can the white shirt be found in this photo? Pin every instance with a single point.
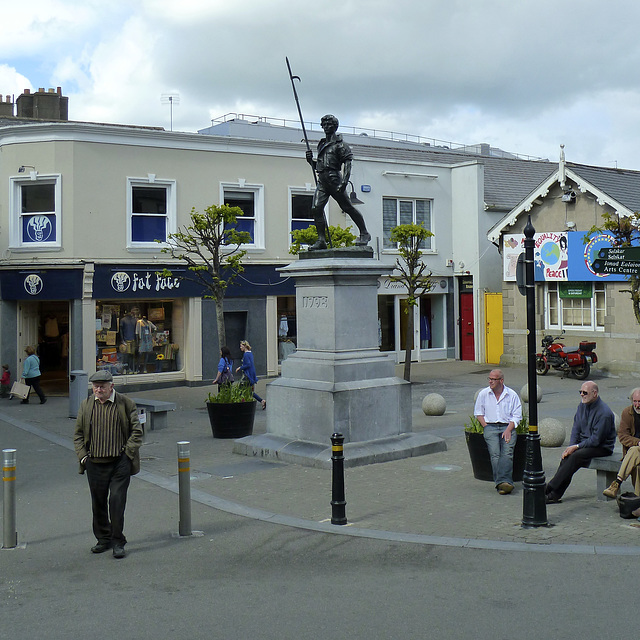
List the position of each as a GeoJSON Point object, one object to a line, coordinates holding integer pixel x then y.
{"type": "Point", "coordinates": [507, 408]}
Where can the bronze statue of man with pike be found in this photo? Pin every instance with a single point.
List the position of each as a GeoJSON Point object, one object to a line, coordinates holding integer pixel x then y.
{"type": "Point", "coordinates": [331, 171]}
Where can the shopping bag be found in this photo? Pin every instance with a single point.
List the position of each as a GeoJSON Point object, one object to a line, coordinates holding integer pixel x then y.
{"type": "Point", "coordinates": [20, 390]}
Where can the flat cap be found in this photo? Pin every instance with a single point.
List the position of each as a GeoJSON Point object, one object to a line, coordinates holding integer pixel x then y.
{"type": "Point", "coordinates": [101, 376]}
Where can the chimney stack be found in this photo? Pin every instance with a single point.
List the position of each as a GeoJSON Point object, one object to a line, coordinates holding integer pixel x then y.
{"type": "Point", "coordinates": [6, 107]}
{"type": "Point", "coordinates": [43, 105]}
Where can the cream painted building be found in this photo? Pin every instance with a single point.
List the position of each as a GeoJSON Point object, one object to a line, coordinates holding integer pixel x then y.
{"type": "Point", "coordinates": [82, 204]}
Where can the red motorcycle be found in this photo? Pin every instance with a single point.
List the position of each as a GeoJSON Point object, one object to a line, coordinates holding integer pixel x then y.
{"type": "Point", "coordinates": [575, 360]}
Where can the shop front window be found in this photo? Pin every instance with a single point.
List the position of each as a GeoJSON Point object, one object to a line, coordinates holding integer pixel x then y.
{"type": "Point", "coordinates": [287, 332]}
{"type": "Point", "coordinates": [386, 323]}
{"type": "Point", "coordinates": [139, 337]}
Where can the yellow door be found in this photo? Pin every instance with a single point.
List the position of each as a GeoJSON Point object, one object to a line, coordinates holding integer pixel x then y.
{"type": "Point", "coordinates": [493, 332]}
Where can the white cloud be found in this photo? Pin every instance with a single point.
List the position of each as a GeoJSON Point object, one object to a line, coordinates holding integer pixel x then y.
{"type": "Point", "coordinates": [523, 76]}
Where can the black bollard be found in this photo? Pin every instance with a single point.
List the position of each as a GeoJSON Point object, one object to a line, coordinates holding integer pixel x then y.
{"type": "Point", "coordinates": [338, 503]}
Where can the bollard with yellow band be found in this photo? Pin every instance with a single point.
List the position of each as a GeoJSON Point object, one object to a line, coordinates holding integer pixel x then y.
{"type": "Point", "coordinates": [10, 535]}
{"type": "Point", "coordinates": [338, 502]}
{"type": "Point", "coordinates": [184, 488]}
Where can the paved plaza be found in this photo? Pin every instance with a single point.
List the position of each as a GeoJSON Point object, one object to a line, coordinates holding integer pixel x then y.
{"type": "Point", "coordinates": [431, 499]}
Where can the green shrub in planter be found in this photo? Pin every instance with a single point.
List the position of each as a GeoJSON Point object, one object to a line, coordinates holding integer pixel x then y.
{"type": "Point", "coordinates": [231, 393]}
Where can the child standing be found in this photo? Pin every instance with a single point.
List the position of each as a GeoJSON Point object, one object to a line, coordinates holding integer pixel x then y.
{"type": "Point", "coordinates": [5, 382]}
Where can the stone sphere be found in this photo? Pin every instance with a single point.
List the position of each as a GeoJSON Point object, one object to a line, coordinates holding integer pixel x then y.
{"type": "Point", "coordinates": [434, 404]}
{"type": "Point", "coordinates": [524, 393]}
{"type": "Point", "coordinates": [552, 433]}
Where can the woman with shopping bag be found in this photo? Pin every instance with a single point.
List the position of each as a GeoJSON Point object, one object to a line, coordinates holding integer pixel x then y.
{"type": "Point", "coordinates": [31, 374]}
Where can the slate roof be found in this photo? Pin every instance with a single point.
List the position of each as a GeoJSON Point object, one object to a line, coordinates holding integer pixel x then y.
{"type": "Point", "coordinates": [623, 185]}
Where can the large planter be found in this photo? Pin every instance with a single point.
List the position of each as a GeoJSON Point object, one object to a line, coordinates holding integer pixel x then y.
{"type": "Point", "coordinates": [481, 461]}
{"type": "Point", "coordinates": [231, 420]}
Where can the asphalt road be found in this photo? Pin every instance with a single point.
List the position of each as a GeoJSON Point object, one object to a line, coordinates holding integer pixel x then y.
{"type": "Point", "coordinates": [244, 578]}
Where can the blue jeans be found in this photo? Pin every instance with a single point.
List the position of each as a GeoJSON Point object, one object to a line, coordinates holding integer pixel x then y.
{"type": "Point", "coordinates": [500, 452]}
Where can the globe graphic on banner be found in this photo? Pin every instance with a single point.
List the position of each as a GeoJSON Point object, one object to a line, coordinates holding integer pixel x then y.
{"type": "Point", "coordinates": [550, 253]}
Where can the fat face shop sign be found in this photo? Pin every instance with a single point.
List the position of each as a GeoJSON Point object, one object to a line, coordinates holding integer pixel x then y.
{"type": "Point", "coordinates": [131, 282]}
{"type": "Point", "coordinates": [145, 281]}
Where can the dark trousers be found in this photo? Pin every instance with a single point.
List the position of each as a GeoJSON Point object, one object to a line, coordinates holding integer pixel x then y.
{"type": "Point", "coordinates": [577, 460]}
{"type": "Point", "coordinates": [108, 484]}
{"type": "Point", "coordinates": [328, 186]}
{"type": "Point", "coordinates": [35, 383]}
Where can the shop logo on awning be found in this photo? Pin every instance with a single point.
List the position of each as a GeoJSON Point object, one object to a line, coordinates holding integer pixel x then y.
{"type": "Point", "coordinates": [33, 284]}
{"type": "Point", "coordinates": [120, 281]}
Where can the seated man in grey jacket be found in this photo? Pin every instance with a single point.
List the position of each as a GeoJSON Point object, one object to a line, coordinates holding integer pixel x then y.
{"type": "Point", "coordinates": [593, 436]}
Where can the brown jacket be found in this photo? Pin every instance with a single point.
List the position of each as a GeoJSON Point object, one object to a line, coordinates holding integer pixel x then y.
{"type": "Point", "coordinates": [128, 414]}
{"type": "Point", "coordinates": [627, 429]}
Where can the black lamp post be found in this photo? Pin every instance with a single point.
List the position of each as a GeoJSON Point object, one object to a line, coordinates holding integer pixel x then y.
{"type": "Point", "coordinates": [534, 508]}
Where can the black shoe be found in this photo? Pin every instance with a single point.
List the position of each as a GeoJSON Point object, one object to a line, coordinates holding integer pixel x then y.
{"type": "Point", "coordinates": [118, 551]}
{"type": "Point", "coordinates": [43, 401]}
{"type": "Point", "coordinates": [552, 499]}
{"type": "Point", "coordinates": [101, 547]}
{"type": "Point", "coordinates": [24, 402]}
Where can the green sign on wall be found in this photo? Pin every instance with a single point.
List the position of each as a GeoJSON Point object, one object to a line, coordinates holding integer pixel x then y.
{"type": "Point", "coordinates": [575, 289]}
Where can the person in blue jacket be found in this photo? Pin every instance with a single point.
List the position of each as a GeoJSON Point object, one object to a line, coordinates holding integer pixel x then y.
{"type": "Point", "coordinates": [249, 370]}
{"type": "Point", "coordinates": [593, 436]}
{"type": "Point", "coordinates": [31, 374]}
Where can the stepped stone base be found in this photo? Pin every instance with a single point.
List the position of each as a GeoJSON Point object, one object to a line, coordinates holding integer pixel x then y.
{"type": "Point", "coordinates": [356, 454]}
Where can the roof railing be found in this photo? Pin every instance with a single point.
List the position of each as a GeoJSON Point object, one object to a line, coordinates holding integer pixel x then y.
{"type": "Point", "coordinates": [380, 134]}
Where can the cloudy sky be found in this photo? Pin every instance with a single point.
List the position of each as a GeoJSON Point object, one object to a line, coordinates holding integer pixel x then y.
{"type": "Point", "coordinates": [524, 75]}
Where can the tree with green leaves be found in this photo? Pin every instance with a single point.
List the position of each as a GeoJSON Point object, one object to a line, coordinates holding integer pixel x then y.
{"type": "Point", "coordinates": [414, 275]}
{"type": "Point", "coordinates": [626, 232]}
{"type": "Point", "coordinates": [340, 237]}
{"type": "Point", "coordinates": [210, 245]}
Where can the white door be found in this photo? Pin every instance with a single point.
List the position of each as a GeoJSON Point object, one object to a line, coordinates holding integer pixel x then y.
{"type": "Point", "coordinates": [28, 323]}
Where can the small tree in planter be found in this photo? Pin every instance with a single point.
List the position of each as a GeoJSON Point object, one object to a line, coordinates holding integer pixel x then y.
{"type": "Point", "coordinates": [413, 275]}
{"type": "Point", "coordinates": [210, 245]}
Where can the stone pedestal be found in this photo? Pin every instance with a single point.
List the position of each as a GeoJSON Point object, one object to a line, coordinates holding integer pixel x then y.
{"type": "Point", "coordinates": [338, 380]}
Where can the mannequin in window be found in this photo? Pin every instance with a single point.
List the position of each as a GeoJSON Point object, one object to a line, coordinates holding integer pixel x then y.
{"type": "Point", "coordinates": [144, 331]}
{"type": "Point", "coordinates": [128, 338]}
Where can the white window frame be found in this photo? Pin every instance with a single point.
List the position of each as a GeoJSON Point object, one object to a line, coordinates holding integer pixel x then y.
{"type": "Point", "coordinates": [309, 190]}
{"type": "Point", "coordinates": [429, 242]}
{"type": "Point", "coordinates": [258, 205]}
{"type": "Point", "coordinates": [16, 183]}
{"type": "Point", "coordinates": [171, 214]}
{"type": "Point", "coordinates": [597, 304]}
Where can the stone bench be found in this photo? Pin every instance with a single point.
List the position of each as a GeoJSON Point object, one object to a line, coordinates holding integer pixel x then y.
{"type": "Point", "coordinates": [606, 471]}
{"type": "Point", "coordinates": [156, 412]}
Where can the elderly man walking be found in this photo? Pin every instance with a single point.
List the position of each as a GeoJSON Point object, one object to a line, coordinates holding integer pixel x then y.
{"type": "Point", "coordinates": [499, 410]}
{"type": "Point", "coordinates": [593, 436]}
{"type": "Point", "coordinates": [107, 441]}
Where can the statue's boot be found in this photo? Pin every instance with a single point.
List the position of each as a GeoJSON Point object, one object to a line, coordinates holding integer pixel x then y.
{"type": "Point", "coordinates": [364, 238]}
{"type": "Point", "coordinates": [321, 242]}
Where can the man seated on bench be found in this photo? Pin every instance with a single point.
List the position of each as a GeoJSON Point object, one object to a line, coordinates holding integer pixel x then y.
{"type": "Point", "coordinates": [629, 436]}
{"type": "Point", "coordinates": [593, 436]}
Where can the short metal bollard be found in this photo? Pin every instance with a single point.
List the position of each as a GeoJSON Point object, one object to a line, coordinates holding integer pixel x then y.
{"type": "Point", "coordinates": [10, 537]}
{"type": "Point", "coordinates": [338, 502]}
{"type": "Point", "coordinates": [184, 488]}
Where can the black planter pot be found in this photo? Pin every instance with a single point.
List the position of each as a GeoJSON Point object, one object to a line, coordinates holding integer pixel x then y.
{"type": "Point", "coordinates": [481, 462]}
{"type": "Point", "coordinates": [232, 420]}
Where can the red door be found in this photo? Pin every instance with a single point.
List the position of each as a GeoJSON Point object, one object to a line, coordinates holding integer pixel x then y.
{"type": "Point", "coordinates": [467, 349]}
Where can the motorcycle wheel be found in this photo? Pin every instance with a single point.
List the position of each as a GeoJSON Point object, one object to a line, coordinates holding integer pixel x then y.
{"type": "Point", "coordinates": [582, 372]}
{"type": "Point", "coordinates": [541, 367]}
